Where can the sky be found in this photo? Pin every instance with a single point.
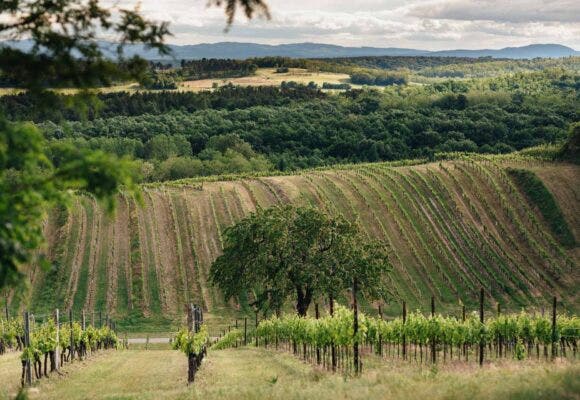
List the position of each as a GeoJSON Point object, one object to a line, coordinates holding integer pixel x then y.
{"type": "Point", "coordinates": [420, 24]}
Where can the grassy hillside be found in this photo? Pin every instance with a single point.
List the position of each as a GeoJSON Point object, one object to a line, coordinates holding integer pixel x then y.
{"type": "Point", "coordinates": [450, 227]}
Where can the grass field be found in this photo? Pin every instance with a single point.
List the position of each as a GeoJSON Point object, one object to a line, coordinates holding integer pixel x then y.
{"type": "Point", "coordinates": [269, 77]}
{"type": "Point", "coordinates": [257, 373]}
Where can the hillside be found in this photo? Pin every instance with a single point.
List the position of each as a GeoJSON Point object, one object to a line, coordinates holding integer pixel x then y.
{"type": "Point", "coordinates": [450, 227]}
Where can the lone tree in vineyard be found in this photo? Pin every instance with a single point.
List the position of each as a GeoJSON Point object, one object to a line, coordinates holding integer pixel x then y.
{"type": "Point", "coordinates": [300, 253]}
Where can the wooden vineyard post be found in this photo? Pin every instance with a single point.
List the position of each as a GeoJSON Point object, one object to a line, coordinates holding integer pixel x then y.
{"type": "Point", "coordinates": [463, 320]}
{"type": "Point", "coordinates": [72, 339]}
{"type": "Point", "coordinates": [404, 334]}
{"type": "Point", "coordinates": [190, 317]}
{"type": "Point", "coordinates": [499, 341]}
{"type": "Point", "coordinates": [256, 328]}
{"type": "Point", "coordinates": [6, 307]}
{"type": "Point", "coordinates": [57, 349]}
{"type": "Point", "coordinates": [191, 366]}
{"type": "Point", "coordinates": [245, 331]}
{"type": "Point", "coordinates": [93, 318]}
{"type": "Point", "coordinates": [100, 318]}
{"type": "Point", "coordinates": [197, 310]}
{"type": "Point", "coordinates": [84, 320]}
{"type": "Point", "coordinates": [380, 344]}
{"type": "Point", "coordinates": [317, 314]}
{"type": "Point", "coordinates": [481, 339]}
{"type": "Point", "coordinates": [237, 340]}
{"type": "Point", "coordinates": [355, 327]}
{"type": "Point", "coordinates": [433, 339]}
{"type": "Point", "coordinates": [554, 341]}
{"type": "Point", "coordinates": [332, 347]}
{"type": "Point", "coordinates": [27, 371]}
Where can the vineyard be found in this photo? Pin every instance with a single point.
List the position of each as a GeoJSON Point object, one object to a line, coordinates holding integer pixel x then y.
{"type": "Point", "coordinates": [334, 341]}
{"type": "Point", "coordinates": [450, 227]}
{"type": "Point", "coordinates": [46, 343]}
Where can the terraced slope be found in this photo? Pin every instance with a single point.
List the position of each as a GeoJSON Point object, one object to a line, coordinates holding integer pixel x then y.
{"type": "Point", "coordinates": [450, 227]}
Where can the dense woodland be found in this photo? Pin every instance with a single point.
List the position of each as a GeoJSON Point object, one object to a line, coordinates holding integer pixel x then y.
{"type": "Point", "coordinates": [247, 129]}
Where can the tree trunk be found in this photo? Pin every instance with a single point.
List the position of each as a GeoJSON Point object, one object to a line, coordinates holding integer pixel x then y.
{"type": "Point", "coordinates": [303, 300]}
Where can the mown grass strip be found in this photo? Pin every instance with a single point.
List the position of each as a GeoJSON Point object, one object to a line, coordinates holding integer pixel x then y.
{"type": "Point", "coordinates": [539, 195]}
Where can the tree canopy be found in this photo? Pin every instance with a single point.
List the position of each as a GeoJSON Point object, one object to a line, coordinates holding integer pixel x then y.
{"type": "Point", "coordinates": [300, 253]}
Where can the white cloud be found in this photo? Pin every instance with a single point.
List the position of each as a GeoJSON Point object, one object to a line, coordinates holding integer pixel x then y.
{"type": "Point", "coordinates": [517, 11]}
{"type": "Point", "coordinates": [427, 24]}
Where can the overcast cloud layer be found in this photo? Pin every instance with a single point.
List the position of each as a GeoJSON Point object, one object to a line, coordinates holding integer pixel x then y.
{"type": "Point", "coordinates": [423, 24]}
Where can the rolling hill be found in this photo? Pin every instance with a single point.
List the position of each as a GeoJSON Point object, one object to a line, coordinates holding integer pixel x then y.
{"type": "Point", "coordinates": [240, 50]}
{"type": "Point", "coordinates": [450, 228]}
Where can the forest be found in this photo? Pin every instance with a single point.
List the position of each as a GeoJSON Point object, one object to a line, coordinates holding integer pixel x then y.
{"type": "Point", "coordinates": [248, 129]}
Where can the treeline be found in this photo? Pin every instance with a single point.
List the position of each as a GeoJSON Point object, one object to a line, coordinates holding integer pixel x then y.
{"type": "Point", "coordinates": [56, 108]}
{"type": "Point", "coordinates": [414, 63]}
{"type": "Point", "coordinates": [491, 68]}
{"type": "Point", "coordinates": [213, 68]}
{"type": "Point", "coordinates": [379, 78]}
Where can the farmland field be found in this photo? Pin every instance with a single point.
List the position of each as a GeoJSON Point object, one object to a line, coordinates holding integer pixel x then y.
{"type": "Point", "coordinates": [219, 221]}
{"type": "Point", "coordinates": [451, 227]}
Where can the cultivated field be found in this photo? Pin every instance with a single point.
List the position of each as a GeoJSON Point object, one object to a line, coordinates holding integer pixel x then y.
{"type": "Point", "coordinates": [269, 77]}
{"type": "Point", "coordinates": [450, 227]}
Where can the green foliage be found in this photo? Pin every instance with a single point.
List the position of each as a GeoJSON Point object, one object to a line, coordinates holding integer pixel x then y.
{"type": "Point", "coordinates": [190, 342]}
{"type": "Point", "coordinates": [418, 329]}
{"type": "Point", "coordinates": [230, 339]}
{"type": "Point", "coordinates": [379, 78]}
{"type": "Point", "coordinates": [30, 182]}
{"type": "Point", "coordinates": [297, 127]}
{"type": "Point", "coordinates": [214, 68]}
{"type": "Point", "coordinates": [285, 251]}
{"type": "Point", "coordinates": [540, 196]}
{"type": "Point", "coordinates": [570, 151]}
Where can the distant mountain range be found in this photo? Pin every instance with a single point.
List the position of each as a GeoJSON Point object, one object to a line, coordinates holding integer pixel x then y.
{"type": "Point", "coordinates": [318, 50]}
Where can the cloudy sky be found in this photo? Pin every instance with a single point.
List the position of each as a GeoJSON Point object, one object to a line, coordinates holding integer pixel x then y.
{"type": "Point", "coordinates": [424, 24]}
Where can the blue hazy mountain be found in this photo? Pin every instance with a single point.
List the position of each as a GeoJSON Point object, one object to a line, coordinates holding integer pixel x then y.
{"type": "Point", "coordinates": [240, 50]}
